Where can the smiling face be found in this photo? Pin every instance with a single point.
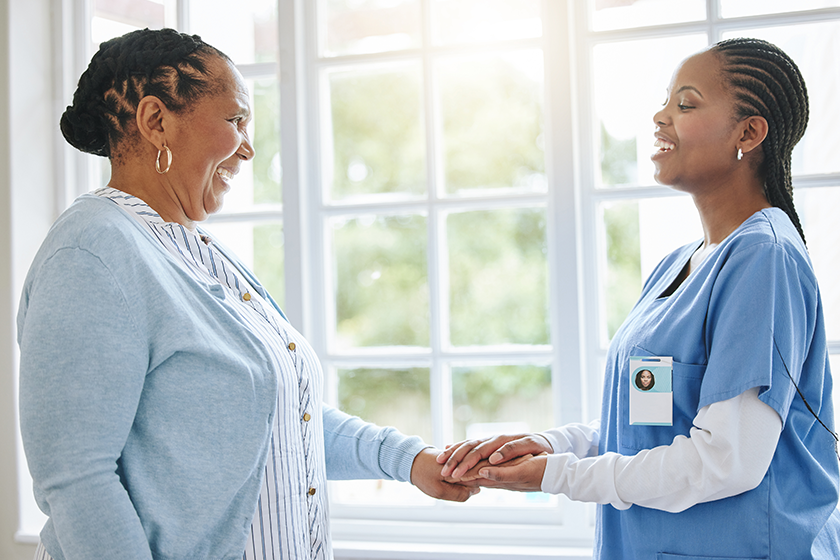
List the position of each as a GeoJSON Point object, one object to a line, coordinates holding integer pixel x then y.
{"type": "Point", "coordinates": [646, 377]}
{"type": "Point", "coordinates": [696, 134]}
{"type": "Point", "coordinates": [209, 143]}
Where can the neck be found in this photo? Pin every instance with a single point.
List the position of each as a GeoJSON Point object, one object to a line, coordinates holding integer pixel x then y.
{"type": "Point", "coordinates": [724, 208]}
{"type": "Point", "coordinates": [150, 187]}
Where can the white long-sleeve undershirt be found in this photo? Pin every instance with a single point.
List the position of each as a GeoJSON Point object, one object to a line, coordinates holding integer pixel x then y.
{"type": "Point", "coordinates": [728, 452]}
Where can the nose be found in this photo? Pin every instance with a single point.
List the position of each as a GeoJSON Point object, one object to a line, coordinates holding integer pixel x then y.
{"type": "Point", "coordinates": [246, 150]}
{"type": "Point", "coordinates": [660, 118]}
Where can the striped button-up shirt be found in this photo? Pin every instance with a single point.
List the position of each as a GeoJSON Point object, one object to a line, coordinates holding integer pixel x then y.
{"type": "Point", "coordinates": [291, 520]}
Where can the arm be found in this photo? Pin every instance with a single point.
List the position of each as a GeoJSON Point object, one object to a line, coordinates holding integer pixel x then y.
{"type": "Point", "coordinates": [728, 452]}
{"type": "Point", "coordinates": [357, 449]}
{"type": "Point", "coordinates": [83, 365]}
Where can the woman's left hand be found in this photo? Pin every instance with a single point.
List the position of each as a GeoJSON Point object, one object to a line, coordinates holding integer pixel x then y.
{"type": "Point", "coordinates": [425, 475]}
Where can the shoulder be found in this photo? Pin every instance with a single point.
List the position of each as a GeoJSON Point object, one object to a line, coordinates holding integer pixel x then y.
{"type": "Point", "coordinates": [96, 225]}
{"type": "Point", "coordinates": [769, 234]}
{"type": "Point", "coordinates": [101, 230]}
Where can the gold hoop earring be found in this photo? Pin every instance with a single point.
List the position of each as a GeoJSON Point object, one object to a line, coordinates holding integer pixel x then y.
{"type": "Point", "coordinates": [740, 154]}
{"type": "Point", "coordinates": [168, 160]}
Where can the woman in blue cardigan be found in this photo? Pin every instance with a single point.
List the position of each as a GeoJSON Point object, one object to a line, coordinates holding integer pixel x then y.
{"type": "Point", "coordinates": [168, 408]}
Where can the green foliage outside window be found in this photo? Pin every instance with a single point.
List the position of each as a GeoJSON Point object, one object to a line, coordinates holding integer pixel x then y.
{"type": "Point", "coordinates": [624, 275]}
{"type": "Point", "coordinates": [498, 277]}
{"type": "Point", "coordinates": [378, 140]}
{"type": "Point", "coordinates": [266, 142]}
{"type": "Point", "coordinates": [492, 126]}
{"type": "Point", "coordinates": [382, 296]}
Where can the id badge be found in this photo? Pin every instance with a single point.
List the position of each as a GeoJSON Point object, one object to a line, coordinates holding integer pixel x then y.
{"type": "Point", "coordinates": [651, 395]}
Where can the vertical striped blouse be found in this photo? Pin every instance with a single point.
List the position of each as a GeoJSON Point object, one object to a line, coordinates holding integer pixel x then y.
{"type": "Point", "coordinates": [291, 520]}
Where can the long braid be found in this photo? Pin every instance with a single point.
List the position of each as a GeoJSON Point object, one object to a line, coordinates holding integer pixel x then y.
{"type": "Point", "coordinates": [767, 83]}
{"type": "Point", "coordinates": [164, 63]}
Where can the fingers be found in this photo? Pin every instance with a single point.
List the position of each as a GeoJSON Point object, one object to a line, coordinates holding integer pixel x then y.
{"type": "Point", "coordinates": [457, 492]}
{"type": "Point", "coordinates": [532, 444]}
{"type": "Point", "coordinates": [462, 457]}
{"type": "Point", "coordinates": [450, 449]}
{"type": "Point", "coordinates": [465, 455]}
{"type": "Point", "coordinates": [525, 476]}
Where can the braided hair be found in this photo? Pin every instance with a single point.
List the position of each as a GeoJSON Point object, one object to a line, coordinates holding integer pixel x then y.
{"type": "Point", "coordinates": [169, 65]}
{"type": "Point", "coordinates": [767, 83]}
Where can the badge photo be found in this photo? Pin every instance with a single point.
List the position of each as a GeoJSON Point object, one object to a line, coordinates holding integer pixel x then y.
{"type": "Point", "coordinates": [651, 394]}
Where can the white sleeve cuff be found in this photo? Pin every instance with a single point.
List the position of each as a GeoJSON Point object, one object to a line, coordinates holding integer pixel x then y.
{"type": "Point", "coordinates": [579, 439]}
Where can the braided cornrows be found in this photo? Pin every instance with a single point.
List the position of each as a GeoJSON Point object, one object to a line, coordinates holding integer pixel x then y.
{"type": "Point", "coordinates": [767, 83]}
{"type": "Point", "coordinates": [164, 63]}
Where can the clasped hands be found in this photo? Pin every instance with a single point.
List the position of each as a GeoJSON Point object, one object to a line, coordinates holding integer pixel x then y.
{"type": "Point", "coordinates": [511, 462]}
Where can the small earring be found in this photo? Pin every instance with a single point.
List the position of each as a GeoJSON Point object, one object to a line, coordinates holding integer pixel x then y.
{"type": "Point", "coordinates": [168, 160]}
{"type": "Point", "coordinates": [740, 154]}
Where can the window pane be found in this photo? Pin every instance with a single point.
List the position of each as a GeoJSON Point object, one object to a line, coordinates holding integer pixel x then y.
{"type": "Point", "coordinates": [246, 32]}
{"type": "Point", "coordinates": [638, 234]}
{"type": "Point", "coordinates": [463, 21]}
{"type": "Point", "coordinates": [112, 18]}
{"type": "Point", "coordinates": [378, 144]}
{"type": "Point", "coordinates": [492, 116]}
{"type": "Point", "coordinates": [628, 91]}
{"type": "Point", "coordinates": [388, 397]}
{"type": "Point", "coordinates": [740, 8]}
{"type": "Point", "coordinates": [622, 14]}
{"type": "Point", "coordinates": [491, 400]}
{"type": "Point", "coordinates": [498, 277]}
{"type": "Point", "coordinates": [382, 293]}
{"type": "Point", "coordinates": [814, 48]}
{"type": "Point", "coordinates": [260, 247]}
{"type": "Point", "coordinates": [368, 26]}
{"type": "Point", "coordinates": [818, 210]}
{"type": "Point", "coordinates": [265, 104]}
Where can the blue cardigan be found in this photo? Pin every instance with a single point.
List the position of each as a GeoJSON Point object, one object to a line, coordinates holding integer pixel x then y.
{"type": "Point", "coordinates": [145, 407]}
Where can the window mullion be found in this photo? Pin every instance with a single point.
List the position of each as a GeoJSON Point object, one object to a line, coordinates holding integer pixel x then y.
{"type": "Point", "coordinates": [565, 258]}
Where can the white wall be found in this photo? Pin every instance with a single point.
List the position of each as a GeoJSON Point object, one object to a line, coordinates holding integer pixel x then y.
{"type": "Point", "coordinates": [27, 207]}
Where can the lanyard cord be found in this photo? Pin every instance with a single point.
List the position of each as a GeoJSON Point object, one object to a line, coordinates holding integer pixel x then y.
{"type": "Point", "coordinates": [808, 406]}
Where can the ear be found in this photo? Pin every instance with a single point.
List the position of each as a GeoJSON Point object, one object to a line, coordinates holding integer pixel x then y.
{"type": "Point", "coordinates": [753, 132]}
{"type": "Point", "coordinates": [152, 118]}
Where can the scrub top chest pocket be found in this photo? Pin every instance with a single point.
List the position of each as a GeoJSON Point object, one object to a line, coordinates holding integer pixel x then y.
{"type": "Point", "coordinates": [686, 380]}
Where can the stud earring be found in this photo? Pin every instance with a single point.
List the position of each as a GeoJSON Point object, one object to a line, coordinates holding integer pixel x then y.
{"type": "Point", "coordinates": [740, 154]}
{"type": "Point", "coordinates": [168, 160]}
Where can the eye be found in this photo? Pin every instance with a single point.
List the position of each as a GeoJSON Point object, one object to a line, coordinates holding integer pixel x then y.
{"type": "Point", "coordinates": [684, 107]}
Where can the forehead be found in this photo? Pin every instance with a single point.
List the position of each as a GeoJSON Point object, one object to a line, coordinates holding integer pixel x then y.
{"type": "Point", "coordinates": [701, 72]}
{"type": "Point", "coordinates": [231, 83]}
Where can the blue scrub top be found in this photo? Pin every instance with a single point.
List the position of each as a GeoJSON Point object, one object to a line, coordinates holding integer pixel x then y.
{"type": "Point", "coordinates": [748, 312]}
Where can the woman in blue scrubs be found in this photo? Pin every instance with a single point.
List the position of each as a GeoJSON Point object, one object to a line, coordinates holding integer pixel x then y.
{"type": "Point", "coordinates": [743, 462]}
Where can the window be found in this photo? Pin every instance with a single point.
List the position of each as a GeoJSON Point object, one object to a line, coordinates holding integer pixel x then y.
{"type": "Point", "coordinates": [450, 199]}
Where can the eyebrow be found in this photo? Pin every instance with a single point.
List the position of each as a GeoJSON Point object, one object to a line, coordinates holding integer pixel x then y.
{"type": "Point", "coordinates": [692, 88]}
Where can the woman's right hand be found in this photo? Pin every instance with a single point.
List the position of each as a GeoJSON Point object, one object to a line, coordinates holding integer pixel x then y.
{"type": "Point", "coordinates": [463, 456]}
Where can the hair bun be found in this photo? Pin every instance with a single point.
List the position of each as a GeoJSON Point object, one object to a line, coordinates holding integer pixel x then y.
{"type": "Point", "coordinates": [84, 131]}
